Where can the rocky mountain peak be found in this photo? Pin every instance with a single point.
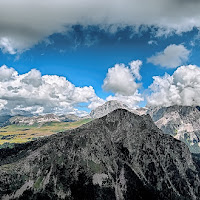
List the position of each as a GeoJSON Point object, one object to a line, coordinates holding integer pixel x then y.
{"type": "Point", "coordinates": [119, 156]}
{"type": "Point", "coordinates": [106, 108]}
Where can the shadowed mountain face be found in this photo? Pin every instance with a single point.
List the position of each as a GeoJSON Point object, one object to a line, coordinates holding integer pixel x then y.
{"type": "Point", "coordinates": [119, 156]}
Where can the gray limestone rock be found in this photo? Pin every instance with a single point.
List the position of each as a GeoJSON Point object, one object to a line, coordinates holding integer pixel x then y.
{"type": "Point", "coordinates": [106, 108]}
{"type": "Point", "coordinates": [119, 156]}
{"type": "Point", "coordinates": [182, 122]}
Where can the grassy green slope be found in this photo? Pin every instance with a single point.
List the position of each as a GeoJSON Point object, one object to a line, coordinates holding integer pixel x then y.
{"type": "Point", "coordinates": [23, 133]}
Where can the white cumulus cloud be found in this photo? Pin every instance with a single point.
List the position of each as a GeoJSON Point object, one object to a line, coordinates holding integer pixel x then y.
{"type": "Point", "coordinates": [96, 102]}
{"type": "Point", "coordinates": [7, 73]}
{"type": "Point", "coordinates": [131, 101]}
{"type": "Point", "coordinates": [181, 88]}
{"type": "Point", "coordinates": [32, 93]}
{"type": "Point", "coordinates": [120, 80]}
{"type": "Point", "coordinates": [173, 56]}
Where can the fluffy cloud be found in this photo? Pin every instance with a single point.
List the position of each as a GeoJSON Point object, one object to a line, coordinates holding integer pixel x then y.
{"type": "Point", "coordinates": [32, 93]}
{"type": "Point", "coordinates": [135, 68]}
{"type": "Point", "coordinates": [25, 23]}
{"type": "Point", "coordinates": [96, 102]}
{"type": "Point", "coordinates": [182, 88]}
{"type": "Point", "coordinates": [6, 73]}
{"type": "Point", "coordinates": [120, 80]}
{"type": "Point", "coordinates": [130, 101]}
{"type": "Point", "coordinates": [172, 56]}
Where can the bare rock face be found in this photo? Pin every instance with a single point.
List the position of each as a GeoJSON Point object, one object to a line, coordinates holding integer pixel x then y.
{"type": "Point", "coordinates": [182, 122]}
{"type": "Point", "coordinates": [106, 108]}
{"type": "Point", "coordinates": [119, 156]}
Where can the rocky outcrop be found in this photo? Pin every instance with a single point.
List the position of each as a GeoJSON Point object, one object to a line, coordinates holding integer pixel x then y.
{"type": "Point", "coordinates": [119, 156]}
{"type": "Point", "coordinates": [182, 122]}
{"type": "Point", "coordinates": [106, 108]}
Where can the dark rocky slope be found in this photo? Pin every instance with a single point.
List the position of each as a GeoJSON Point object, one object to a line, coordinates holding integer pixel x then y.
{"type": "Point", "coordinates": [119, 156]}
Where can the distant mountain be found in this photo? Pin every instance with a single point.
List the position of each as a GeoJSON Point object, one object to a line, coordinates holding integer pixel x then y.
{"type": "Point", "coordinates": [110, 106]}
{"type": "Point", "coordinates": [4, 120]}
{"type": "Point", "coordinates": [106, 108]}
{"type": "Point", "coordinates": [183, 122]}
{"type": "Point", "coordinates": [42, 119]}
{"type": "Point", "coordinates": [70, 118]}
{"type": "Point", "coordinates": [120, 156]}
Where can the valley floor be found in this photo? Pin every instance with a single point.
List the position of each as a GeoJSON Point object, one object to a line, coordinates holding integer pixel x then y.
{"type": "Point", "coordinates": [23, 133]}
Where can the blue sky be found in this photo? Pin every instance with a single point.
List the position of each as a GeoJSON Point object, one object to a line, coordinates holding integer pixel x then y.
{"type": "Point", "coordinates": [88, 65]}
{"type": "Point", "coordinates": [84, 53]}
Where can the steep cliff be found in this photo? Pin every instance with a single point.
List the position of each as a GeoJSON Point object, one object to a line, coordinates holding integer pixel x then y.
{"type": "Point", "coordinates": [183, 122]}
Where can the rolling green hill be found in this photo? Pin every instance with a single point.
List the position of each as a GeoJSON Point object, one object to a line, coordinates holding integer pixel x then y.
{"type": "Point", "coordinates": [23, 133]}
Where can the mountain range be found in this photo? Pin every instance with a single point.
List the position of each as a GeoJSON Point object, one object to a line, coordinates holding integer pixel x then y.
{"type": "Point", "coordinates": [38, 120]}
{"type": "Point", "coordinates": [182, 122]}
{"type": "Point", "coordinates": [119, 156]}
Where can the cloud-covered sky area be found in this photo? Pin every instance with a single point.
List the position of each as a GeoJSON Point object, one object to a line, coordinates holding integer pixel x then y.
{"type": "Point", "coordinates": [33, 93]}
{"type": "Point", "coordinates": [181, 88]}
{"type": "Point", "coordinates": [172, 56]}
{"type": "Point", "coordinates": [72, 56]}
{"type": "Point", "coordinates": [25, 23]}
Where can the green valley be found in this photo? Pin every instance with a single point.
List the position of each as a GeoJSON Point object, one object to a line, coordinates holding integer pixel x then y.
{"type": "Point", "coordinates": [16, 133]}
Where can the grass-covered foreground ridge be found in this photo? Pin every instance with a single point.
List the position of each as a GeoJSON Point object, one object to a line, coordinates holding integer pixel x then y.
{"type": "Point", "coordinates": [23, 133]}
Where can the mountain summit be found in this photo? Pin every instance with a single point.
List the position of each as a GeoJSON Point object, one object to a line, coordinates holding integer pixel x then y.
{"type": "Point", "coordinates": [182, 122]}
{"type": "Point", "coordinates": [107, 107]}
{"type": "Point", "coordinates": [120, 156]}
